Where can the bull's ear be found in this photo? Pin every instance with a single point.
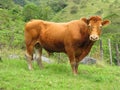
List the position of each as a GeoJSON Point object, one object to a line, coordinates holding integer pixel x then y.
{"type": "Point", "coordinates": [85, 20]}
{"type": "Point", "coordinates": [105, 22]}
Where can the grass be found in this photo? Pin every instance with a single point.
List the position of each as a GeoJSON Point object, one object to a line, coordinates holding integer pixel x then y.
{"type": "Point", "coordinates": [14, 75]}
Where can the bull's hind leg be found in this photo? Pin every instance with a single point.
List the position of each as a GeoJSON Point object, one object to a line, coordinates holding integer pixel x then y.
{"type": "Point", "coordinates": [29, 56]}
{"type": "Point", "coordinates": [38, 54]}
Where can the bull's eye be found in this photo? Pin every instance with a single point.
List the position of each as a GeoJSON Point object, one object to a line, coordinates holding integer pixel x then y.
{"type": "Point", "coordinates": [100, 26]}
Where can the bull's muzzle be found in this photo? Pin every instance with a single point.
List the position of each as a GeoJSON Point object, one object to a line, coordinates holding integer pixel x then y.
{"type": "Point", "coordinates": [94, 37]}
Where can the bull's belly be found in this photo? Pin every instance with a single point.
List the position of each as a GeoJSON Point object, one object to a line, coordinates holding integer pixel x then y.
{"type": "Point", "coordinates": [51, 49]}
{"type": "Point", "coordinates": [54, 47]}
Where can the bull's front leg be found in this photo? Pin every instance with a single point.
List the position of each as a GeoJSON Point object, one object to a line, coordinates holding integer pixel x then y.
{"type": "Point", "coordinates": [71, 55]}
{"type": "Point", "coordinates": [73, 65]}
{"type": "Point", "coordinates": [77, 64]}
{"type": "Point", "coordinates": [79, 58]}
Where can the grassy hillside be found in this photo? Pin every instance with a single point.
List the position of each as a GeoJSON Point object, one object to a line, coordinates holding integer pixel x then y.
{"type": "Point", "coordinates": [12, 19]}
{"type": "Point", "coordinates": [14, 75]}
{"type": "Point", "coordinates": [108, 9]}
{"type": "Point", "coordinates": [87, 8]}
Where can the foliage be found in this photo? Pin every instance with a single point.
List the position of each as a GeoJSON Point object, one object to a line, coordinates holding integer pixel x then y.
{"type": "Point", "coordinates": [30, 11]}
{"type": "Point", "coordinates": [74, 10]}
{"type": "Point", "coordinates": [20, 2]}
{"type": "Point", "coordinates": [77, 1]}
{"type": "Point", "coordinates": [46, 13]}
{"type": "Point", "coordinates": [57, 5]}
{"type": "Point", "coordinates": [99, 12]}
{"type": "Point", "coordinates": [114, 26]}
{"type": "Point", "coordinates": [11, 28]}
{"type": "Point", "coordinates": [6, 4]}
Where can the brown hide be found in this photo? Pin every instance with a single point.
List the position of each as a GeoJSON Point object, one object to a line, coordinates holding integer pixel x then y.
{"type": "Point", "coordinates": [75, 38]}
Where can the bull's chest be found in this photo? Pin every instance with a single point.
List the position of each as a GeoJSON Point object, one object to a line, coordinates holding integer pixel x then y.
{"type": "Point", "coordinates": [79, 44]}
{"type": "Point", "coordinates": [81, 47]}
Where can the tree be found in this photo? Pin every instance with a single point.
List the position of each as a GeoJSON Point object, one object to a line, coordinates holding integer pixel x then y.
{"type": "Point", "coordinates": [46, 13]}
{"type": "Point", "coordinates": [20, 2]}
{"type": "Point", "coordinates": [57, 5]}
{"type": "Point", "coordinates": [6, 4]}
{"type": "Point", "coordinates": [30, 11]}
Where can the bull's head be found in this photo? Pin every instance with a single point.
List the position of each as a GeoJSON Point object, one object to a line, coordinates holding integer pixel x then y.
{"type": "Point", "coordinates": [95, 24]}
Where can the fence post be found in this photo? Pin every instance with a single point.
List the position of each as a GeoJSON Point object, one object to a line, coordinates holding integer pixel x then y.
{"type": "Point", "coordinates": [101, 50]}
{"type": "Point", "coordinates": [109, 45]}
{"type": "Point", "coordinates": [59, 58]}
{"type": "Point", "coordinates": [117, 54]}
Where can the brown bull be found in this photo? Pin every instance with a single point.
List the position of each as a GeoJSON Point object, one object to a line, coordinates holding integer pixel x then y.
{"type": "Point", "coordinates": [75, 38]}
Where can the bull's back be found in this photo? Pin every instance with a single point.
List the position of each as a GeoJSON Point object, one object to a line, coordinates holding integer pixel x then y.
{"type": "Point", "coordinates": [52, 37]}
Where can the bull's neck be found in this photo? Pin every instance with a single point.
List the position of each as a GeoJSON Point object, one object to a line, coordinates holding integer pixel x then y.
{"type": "Point", "coordinates": [87, 41]}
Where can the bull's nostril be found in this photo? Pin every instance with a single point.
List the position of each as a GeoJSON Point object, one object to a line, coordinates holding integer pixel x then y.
{"type": "Point", "coordinates": [94, 37]}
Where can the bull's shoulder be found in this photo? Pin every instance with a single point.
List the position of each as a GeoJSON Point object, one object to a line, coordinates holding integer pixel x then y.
{"type": "Point", "coordinates": [33, 24]}
{"type": "Point", "coordinates": [33, 21]}
{"type": "Point", "coordinates": [77, 23]}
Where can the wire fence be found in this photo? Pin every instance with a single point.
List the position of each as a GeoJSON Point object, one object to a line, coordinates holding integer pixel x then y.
{"type": "Point", "coordinates": [109, 53]}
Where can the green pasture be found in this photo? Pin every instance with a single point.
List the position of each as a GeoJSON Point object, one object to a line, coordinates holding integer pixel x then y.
{"type": "Point", "coordinates": [14, 75]}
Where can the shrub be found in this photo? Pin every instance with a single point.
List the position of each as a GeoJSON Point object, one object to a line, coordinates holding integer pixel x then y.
{"type": "Point", "coordinates": [99, 12]}
{"type": "Point", "coordinates": [20, 2]}
{"type": "Point", "coordinates": [74, 9]}
{"type": "Point", "coordinates": [30, 11]}
{"type": "Point", "coordinates": [76, 1]}
{"type": "Point", "coordinates": [57, 5]}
